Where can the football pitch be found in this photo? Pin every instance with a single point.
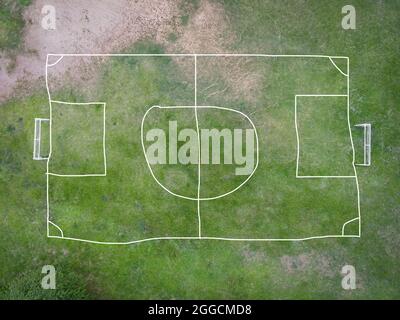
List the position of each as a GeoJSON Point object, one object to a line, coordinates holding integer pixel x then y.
{"type": "Point", "coordinates": [200, 150]}
{"type": "Point", "coordinates": [97, 170]}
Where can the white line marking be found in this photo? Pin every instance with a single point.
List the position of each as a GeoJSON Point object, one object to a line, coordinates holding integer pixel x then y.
{"type": "Point", "coordinates": [78, 103]}
{"type": "Point", "coordinates": [310, 177]}
{"type": "Point", "coordinates": [207, 238]}
{"type": "Point", "coordinates": [351, 142]}
{"type": "Point", "coordinates": [198, 146]}
{"type": "Point", "coordinates": [62, 233]}
{"type": "Point", "coordinates": [193, 54]}
{"type": "Point", "coordinates": [103, 138]}
{"type": "Point", "coordinates": [344, 224]}
{"type": "Point", "coordinates": [298, 137]}
{"type": "Point", "coordinates": [352, 145]}
{"type": "Point", "coordinates": [47, 163]}
{"type": "Point", "coordinates": [199, 107]}
{"type": "Point", "coordinates": [53, 64]}
{"type": "Point", "coordinates": [77, 175]}
{"type": "Point", "coordinates": [321, 95]}
{"type": "Point", "coordinates": [346, 75]}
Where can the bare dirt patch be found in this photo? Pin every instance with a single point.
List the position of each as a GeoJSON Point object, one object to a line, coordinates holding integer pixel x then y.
{"type": "Point", "coordinates": [295, 263]}
{"type": "Point", "coordinates": [90, 26]}
{"type": "Point", "coordinates": [391, 241]}
{"type": "Point", "coordinates": [252, 256]}
{"type": "Point", "coordinates": [209, 30]}
{"type": "Point", "coordinates": [238, 78]}
{"type": "Point", "coordinates": [308, 261]}
{"type": "Point", "coordinates": [83, 26]}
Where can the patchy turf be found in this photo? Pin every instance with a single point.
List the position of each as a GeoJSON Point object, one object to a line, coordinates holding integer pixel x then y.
{"type": "Point", "coordinates": [11, 23]}
{"type": "Point", "coordinates": [211, 269]}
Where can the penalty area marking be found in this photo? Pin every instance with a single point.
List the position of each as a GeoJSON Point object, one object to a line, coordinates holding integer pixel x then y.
{"type": "Point", "coordinates": [198, 199]}
{"type": "Point", "coordinates": [352, 146]}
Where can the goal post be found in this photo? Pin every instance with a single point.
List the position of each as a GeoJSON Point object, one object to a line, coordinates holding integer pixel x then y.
{"type": "Point", "coordinates": [37, 139]}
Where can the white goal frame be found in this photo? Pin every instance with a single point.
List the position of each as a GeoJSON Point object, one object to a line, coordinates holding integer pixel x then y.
{"type": "Point", "coordinates": [37, 139]}
{"type": "Point", "coordinates": [367, 144]}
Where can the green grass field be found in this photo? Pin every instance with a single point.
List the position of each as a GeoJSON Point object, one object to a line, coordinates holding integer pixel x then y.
{"type": "Point", "coordinates": [212, 269]}
{"type": "Point", "coordinates": [11, 23]}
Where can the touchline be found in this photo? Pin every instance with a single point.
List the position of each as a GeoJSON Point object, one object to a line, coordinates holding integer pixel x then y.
{"type": "Point", "coordinates": [235, 146]}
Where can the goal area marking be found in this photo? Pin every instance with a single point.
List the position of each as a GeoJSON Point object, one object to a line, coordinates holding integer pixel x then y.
{"type": "Point", "coordinates": [102, 174]}
{"type": "Point", "coordinates": [37, 139]}
{"type": "Point", "coordinates": [195, 107]}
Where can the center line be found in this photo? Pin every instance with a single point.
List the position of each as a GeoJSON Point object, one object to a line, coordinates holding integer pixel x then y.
{"type": "Point", "coordinates": [198, 144]}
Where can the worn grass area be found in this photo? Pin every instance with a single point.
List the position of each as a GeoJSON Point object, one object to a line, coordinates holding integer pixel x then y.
{"type": "Point", "coordinates": [11, 23]}
{"type": "Point", "coordinates": [212, 269]}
